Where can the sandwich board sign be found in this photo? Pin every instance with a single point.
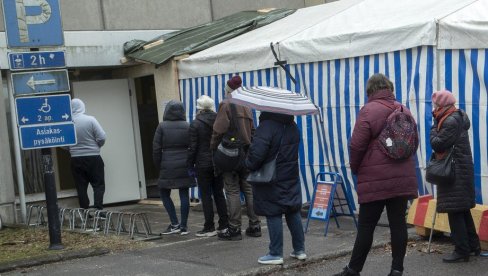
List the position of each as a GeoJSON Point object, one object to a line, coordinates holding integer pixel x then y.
{"type": "Point", "coordinates": [327, 200]}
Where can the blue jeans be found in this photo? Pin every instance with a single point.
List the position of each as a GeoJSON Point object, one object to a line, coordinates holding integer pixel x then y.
{"type": "Point", "coordinates": [165, 195]}
{"type": "Point", "coordinates": [275, 229]}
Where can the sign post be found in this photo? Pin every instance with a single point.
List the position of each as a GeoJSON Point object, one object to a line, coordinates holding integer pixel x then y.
{"type": "Point", "coordinates": [34, 24]}
{"type": "Point", "coordinates": [323, 200]}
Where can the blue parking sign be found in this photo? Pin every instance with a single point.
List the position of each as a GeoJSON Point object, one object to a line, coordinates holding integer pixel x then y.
{"type": "Point", "coordinates": [47, 136]}
{"type": "Point", "coordinates": [43, 109]}
{"type": "Point", "coordinates": [36, 60]}
{"type": "Point", "coordinates": [33, 23]}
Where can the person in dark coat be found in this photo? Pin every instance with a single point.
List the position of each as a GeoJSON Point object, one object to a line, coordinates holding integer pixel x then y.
{"type": "Point", "coordinates": [235, 183]}
{"type": "Point", "coordinates": [200, 163]}
{"type": "Point", "coordinates": [381, 181]}
{"type": "Point", "coordinates": [450, 132]}
{"type": "Point", "coordinates": [170, 153]}
{"type": "Point", "coordinates": [278, 137]}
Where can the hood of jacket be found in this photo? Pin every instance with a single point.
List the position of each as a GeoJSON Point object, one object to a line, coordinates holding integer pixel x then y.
{"type": "Point", "coordinates": [174, 111]}
{"type": "Point", "coordinates": [207, 117]}
{"type": "Point", "coordinates": [77, 107]}
{"type": "Point", "coordinates": [277, 117]}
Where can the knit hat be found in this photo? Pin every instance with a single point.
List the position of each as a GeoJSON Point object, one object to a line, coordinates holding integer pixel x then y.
{"type": "Point", "coordinates": [443, 98]}
{"type": "Point", "coordinates": [233, 84]}
{"type": "Point", "coordinates": [204, 102]}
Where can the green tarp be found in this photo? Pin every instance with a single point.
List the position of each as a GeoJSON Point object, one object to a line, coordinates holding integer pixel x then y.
{"type": "Point", "coordinates": [201, 37]}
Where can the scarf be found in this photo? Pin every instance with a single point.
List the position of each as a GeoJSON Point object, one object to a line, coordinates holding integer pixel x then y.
{"type": "Point", "coordinates": [441, 113]}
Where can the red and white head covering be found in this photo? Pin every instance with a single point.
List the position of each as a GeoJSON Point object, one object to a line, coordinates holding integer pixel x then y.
{"type": "Point", "coordinates": [443, 98]}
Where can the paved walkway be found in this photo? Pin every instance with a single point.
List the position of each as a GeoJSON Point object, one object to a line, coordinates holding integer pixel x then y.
{"type": "Point", "coordinates": [191, 255]}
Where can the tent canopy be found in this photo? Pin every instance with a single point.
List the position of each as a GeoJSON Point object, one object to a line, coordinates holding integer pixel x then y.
{"type": "Point", "coordinates": [343, 29]}
{"type": "Point", "coordinates": [465, 29]}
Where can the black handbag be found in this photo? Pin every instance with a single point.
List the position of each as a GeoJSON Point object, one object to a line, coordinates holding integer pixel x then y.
{"type": "Point", "coordinates": [229, 154]}
{"type": "Point", "coordinates": [267, 173]}
{"type": "Point", "coordinates": [441, 171]}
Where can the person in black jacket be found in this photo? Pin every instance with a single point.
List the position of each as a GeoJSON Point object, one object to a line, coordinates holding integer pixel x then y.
{"type": "Point", "coordinates": [200, 163]}
{"type": "Point", "coordinates": [170, 153]}
{"type": "Point", "coordinates": [450, 132]}
{"type": "Point", "coordinates": [278, 137]}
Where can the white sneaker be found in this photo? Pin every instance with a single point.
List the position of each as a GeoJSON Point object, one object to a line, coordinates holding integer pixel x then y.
{"type": "Point", "coordinates": [300, 255]}
{"type": "Point", "coordinates": [172, 229]}
{"type": "Point", "coordinates": [206, 233]}
{"type": "Point", "coordinates": [184, 231]}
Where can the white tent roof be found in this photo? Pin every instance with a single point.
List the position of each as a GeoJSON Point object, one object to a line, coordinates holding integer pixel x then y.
{"type": "Point", "coordinates": [341, 29]}
{"type": "Point", "coordinates": [466, 28]}
{"type": "Point", "coordinates": [251, 50]}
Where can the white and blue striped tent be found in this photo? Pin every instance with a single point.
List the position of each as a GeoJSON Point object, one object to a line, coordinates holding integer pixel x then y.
{"type": "Point", "coordinates": [332, 49]}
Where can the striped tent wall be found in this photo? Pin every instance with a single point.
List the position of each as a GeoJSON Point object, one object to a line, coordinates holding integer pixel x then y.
{"type": "Point", "coordinates": [338, 88]}
{"type": "Point", "coordinates": [465, 73]}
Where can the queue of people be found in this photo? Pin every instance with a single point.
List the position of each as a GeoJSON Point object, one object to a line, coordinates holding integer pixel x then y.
{"type": "Point", "coordinates": [384, 180]}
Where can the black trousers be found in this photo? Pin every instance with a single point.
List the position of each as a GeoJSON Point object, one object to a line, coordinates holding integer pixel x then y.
{"type": "Point", "coordinates": [463, 232]}
{"type": "Point", "coordinates": [89, 169]}
{"type": "Point", "coordinates": [212, 185]}
{"type": "Point", "coordinates": [369, 215]}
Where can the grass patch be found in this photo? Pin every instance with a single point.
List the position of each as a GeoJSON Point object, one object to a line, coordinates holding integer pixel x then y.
{"type": "Point", "coordinates": [25, 243]}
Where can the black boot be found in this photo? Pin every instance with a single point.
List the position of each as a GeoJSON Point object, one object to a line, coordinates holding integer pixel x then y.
{"type": "Point", "coordinates": [230, 234]}
{"type": "Point", "coordinates": [456, 257]}
{"type": "Point", "coordinates": [395, 272]}
{"type": "Point", "coordinates": [347, 272]}
{"type": "Point", "coordinates": [476, 251]}
{"type": "Point", "coordinates": [253, 231]}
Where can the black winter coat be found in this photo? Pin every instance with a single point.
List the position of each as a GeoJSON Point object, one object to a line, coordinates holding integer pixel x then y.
{"type": "Point", "coordinates": [460, 195]}
{"type": "Point", "coordinates": [199, 153]}
{"type": "Point", "coordinates": [284, 195]}
{"type": "Point", "coordinates": [170, 148]}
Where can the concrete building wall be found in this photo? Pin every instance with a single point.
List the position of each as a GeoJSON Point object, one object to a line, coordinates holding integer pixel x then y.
{"type": "Point", "coordinates": [85, 15]}
{"type": "Point", "coordinates": [96, 15]}
{"type": "Point", "coordinates": [165, 80]}
{"type": "Point", "coordinates": [151, 14]}
{"type": "Point", "coordinates": [222, 8]}
{"type": "Point", "coordinates": [7, 193]}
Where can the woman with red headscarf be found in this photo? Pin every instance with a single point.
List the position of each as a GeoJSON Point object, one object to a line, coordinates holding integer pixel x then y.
{"type": "Point", "coordinates": [450, 133]}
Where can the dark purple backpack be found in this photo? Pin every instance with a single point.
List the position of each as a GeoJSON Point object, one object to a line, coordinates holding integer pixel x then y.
{"type": "Point", "coordinates": [399, 138]}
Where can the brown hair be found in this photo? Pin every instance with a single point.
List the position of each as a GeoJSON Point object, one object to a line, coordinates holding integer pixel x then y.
{"type": "Point", "coordinates": [378, 82]}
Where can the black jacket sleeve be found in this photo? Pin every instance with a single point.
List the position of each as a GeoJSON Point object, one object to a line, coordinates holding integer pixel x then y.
{"type": "Point", "coordinates": [446, 137]}
{"type": "Point", "coordinates": [193, 147]}
{"type": "Point", "coordinates": [157, 146]}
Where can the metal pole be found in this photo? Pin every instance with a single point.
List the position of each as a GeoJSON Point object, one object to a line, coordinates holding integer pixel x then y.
{"type": "Point", "coordinates": [432, 231]}
{"type": "Point", "coordinates": [18, 158]}
{"type": "Point", "coordinates": [51, 201]}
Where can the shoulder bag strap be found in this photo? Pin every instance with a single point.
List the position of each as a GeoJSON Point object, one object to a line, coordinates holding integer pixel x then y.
{"type": "Point", "coordinates": [233, 120]}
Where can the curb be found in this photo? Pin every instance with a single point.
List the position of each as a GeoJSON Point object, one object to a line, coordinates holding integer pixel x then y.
{"type": "Point", "coordinates": [65, 256]}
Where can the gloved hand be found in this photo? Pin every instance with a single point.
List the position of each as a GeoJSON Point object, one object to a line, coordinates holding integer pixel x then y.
{"type": "Point", "coordinates": [192, 173]}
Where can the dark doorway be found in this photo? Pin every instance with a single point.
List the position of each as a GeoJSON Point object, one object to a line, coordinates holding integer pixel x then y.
{"type": "Point", "coordinates": [148, 122]}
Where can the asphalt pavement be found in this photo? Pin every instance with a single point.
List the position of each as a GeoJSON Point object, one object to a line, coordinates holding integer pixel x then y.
{"type": "Point", "coordinates": [191, 255]}
{"type": "Point", "coordinates": [417, 263]}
